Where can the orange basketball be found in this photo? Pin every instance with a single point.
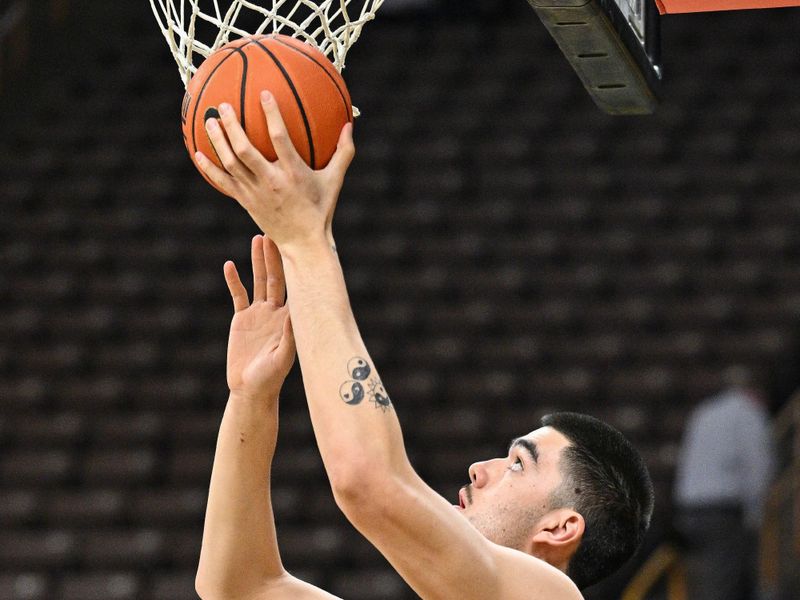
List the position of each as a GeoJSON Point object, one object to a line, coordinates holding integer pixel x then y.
{"type": "Point", "coordinates": [310, 93]}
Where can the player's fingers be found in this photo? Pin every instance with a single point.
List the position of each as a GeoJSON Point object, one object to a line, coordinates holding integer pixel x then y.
{"type": "Point", "coordinates": [259, 269]}
{"type": "Point", "coordinates": [337, 167]}
{"type": "Point", "coordinates": [238, 293]}
{"type": "Point", "coordinates": [224, 151]}
{"type": "Point", "coordinates": [345, 151]}
{"type": "Point", "coordinates": [276, 284]}
{"type": "Point", "coordinates": [218, 176]}
{"type": "Point", "coordinates": [240, 144]}
{"type": "Point", "coordinates": [277, 131]}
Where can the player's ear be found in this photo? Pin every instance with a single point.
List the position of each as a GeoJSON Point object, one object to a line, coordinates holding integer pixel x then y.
{"type": "Point", "coordinates": [559, 529]}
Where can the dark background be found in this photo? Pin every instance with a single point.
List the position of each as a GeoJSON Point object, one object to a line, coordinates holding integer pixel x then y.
{"type": "Point", "coordinates": [509, 250]}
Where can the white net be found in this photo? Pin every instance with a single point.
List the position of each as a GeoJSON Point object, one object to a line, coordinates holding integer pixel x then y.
{"type": "Point", "coordinates": [196, 28]}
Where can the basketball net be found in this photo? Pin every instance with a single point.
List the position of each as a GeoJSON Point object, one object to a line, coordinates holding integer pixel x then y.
{"type": "Point", "coordinates": [326, 24]}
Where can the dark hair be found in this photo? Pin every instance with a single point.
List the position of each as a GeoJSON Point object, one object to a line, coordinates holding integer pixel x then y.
{"type": "Point", "coordinates": [607, 482]}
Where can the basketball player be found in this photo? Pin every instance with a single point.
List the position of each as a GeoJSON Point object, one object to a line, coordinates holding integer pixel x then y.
{"type": "Point", "coordinates": [567, 505]}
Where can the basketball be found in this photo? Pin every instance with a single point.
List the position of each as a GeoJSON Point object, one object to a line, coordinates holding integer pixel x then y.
{"type": "Point", "coordinates": [310, 92]}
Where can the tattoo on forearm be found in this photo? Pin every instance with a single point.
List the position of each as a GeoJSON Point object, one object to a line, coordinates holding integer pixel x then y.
{"type": "Point", "coordinates": [378, 395]}
{"type": "Point", "coordinates": [358, 368]}
{"type": "Point", "coordinates": [352, 391]}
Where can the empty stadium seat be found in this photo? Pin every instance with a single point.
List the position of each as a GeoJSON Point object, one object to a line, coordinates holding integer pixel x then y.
{"type": "Point", "coordinates": [172, 584]}
{"type": "Point", "coordinates": [114, 549]}
{"type": "Point", "coordinates": [99, 586]}
{"type": "Point", "coordinates": [53, 548]}
{"type": "Point", "coordinates": [25, 586]}
{"type": "Point", "coordinates": [86, 507]}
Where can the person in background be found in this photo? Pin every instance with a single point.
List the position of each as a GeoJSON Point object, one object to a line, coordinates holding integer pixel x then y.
{"type": "Point", "coordinates": [724, 471]}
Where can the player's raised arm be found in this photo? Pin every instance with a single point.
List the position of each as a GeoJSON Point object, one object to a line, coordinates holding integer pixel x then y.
{"type": "Point", "coordinates": [431, 545]}
{"type": "Point", "coordinates": [239, 556]}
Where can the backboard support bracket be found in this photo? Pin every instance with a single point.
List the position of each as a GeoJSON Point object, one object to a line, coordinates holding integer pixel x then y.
{"type": "Point", "coordinates": [618, 68]}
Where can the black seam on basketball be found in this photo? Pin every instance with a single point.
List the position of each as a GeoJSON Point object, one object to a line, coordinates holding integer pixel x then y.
{"type": "Point", "coordinates": [200, 95]}
{"type": "Point", "coordinates": [243, 90]}
{"type": "Point", "coordinates": [348, 111]}
{"type": "Point", "coordinates": [297, 98]}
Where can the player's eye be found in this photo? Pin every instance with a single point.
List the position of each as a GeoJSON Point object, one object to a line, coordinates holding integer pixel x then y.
{"type": "Point", "coordinates": [517, 465]}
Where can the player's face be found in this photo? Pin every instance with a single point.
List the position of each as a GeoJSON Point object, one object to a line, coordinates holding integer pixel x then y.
{"type": "Point", "coordinates": [509, 495]}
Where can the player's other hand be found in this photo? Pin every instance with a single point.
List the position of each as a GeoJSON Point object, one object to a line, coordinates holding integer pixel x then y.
{"type": "Point", "coordinates": [261, 345]}
{"type": "Point", "coordinates": [289, 201]}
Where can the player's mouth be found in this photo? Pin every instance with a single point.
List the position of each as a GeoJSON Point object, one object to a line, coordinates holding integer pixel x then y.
{"type": "Point", "coordinates": [462, 500]}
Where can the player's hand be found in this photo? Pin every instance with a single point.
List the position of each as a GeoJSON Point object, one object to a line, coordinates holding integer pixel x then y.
{"type": "Point", "coordinates": [261, 345]}
{"type": "Point", "coordinates": [289, 201]}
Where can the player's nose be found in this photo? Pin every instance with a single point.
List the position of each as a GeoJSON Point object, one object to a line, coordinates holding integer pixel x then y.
{"type": "Point", "coordinates": [479, 473]}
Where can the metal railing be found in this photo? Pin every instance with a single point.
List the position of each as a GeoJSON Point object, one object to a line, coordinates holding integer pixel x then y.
{"type": "Point", "coordinates": [780, 540]}
{"type": "Point", "coordinates": [665, 563]}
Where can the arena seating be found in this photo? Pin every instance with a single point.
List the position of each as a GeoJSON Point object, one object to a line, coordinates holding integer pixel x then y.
{"type": "Point", "coordinates": [509, 249]}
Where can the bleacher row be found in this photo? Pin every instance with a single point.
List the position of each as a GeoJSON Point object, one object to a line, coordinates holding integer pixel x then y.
{"type": "Point", "coordinates": [509, 251]}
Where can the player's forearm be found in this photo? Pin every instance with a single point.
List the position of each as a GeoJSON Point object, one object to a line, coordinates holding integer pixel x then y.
{"type": "Point", "coordinates": [354, 422]}
{"type": "Point", "coordinates": [240, 550]}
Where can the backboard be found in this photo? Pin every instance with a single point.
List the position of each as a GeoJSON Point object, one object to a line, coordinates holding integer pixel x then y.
{"type": "Point", "coordinates": [614, 47]}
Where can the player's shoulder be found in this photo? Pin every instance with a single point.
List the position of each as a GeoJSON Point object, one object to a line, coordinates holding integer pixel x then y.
{"type": "Point", "coordinates": [525, 576]}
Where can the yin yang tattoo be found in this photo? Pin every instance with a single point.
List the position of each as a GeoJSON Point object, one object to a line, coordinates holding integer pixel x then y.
{"type": "Point", "coordinates": [358, 369]}
{"type": "Point", "coordinates": [353, 392]}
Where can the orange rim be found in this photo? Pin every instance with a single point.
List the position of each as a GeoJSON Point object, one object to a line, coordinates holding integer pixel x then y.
{"type": "Point", "coordinates": [689, 6]}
